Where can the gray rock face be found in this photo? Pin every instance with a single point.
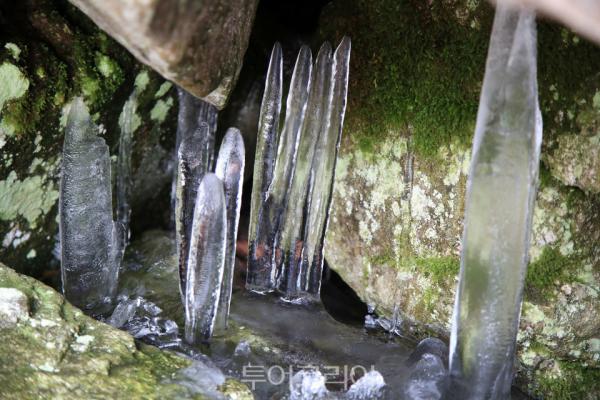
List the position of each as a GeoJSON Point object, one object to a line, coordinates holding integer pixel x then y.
{"type": "Point", "coordinates": [199, 45]}
{"type": "Point", "coordinates": [13, 307]}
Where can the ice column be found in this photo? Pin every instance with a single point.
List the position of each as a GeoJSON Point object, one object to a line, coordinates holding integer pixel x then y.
{"type": "Point", "coordinates": [206, 260]}
{"type": "Point", "coordinates": [230, 170]}
{"type": "Point", "coordinates": [261, 275]}
{"type": "Point", "coordinates": [195, 144]}
{"type": "Point", "coordinates": [499, 206]}
{"type": "Point", "coordinates": [90, 254]}
{"type": "Point", "coordinates": [292, 191]}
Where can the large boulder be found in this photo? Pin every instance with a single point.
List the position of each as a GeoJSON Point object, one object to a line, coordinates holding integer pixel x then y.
{"type": "Point", "coordinates": [396, 219]}
{"type": "Point", "coordinates": [199, 44]}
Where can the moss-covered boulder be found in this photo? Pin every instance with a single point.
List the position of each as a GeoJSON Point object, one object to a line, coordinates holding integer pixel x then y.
{"type": "Point", "coordinates": [396, 221]}
{"type": "Point", "coordinates": [49, 53]}
{"type": "Point", "coordinates": [50, 349]}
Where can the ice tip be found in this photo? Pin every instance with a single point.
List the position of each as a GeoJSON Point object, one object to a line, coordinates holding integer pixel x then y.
{"type": "Point", "coordinates": [345, 45]}
{"type": "Point", "coordinates": [276, 53]}
{"type": "Point", "coordinates": [234, 136]}
{"type": "Point", "coordinates": [325, 49]}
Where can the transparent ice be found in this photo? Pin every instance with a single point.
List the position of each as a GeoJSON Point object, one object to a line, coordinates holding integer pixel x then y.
{"type": "Point", "coordinates": [499, 204]}
{"type": "Point", "coordinates": [206, 260]}
{"type": "Point", "coordinates": [143, 319]}
{"type": "Point", "coordinates": [427, 378]}
{"type": "Point", "coordinates": [368, 387]}
{"type": "Point", "coordinates": [195, 146]}
{"type": "Point", "coordinates": [308, 385]}
{"type": "Point", "coordinates": [127, 125]}
{"type": "Point", "coordinates": [230, 170]}
{"type": "Point", "coordinates": [292, 190]}
{"type": "Point", "coordinates": [90, 240]}
{"type": "Point", "coordinates": [261, 276]}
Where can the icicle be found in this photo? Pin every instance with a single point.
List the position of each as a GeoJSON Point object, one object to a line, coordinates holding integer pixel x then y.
{"type": "Point", "coordinates": [499, 206]}
{"type": "Point", "coordinates": [195, 146]}
{"type": "Point", "coordinates": [292, 234]}
{"type": "Point", "coordinates": [261, 276]}
{"type": "Point", "coordinates": [127, 125]}
{"type": "Point", "coordinates": [90, 254]}
{"type": "Point", "coordinates": [190, 170]}
{"type": "Point", "coordinates": [206, 260]}
{"type": "Point", "coordinates": [230, 169]}
{"type": "Point", "coordinates": [287, 153]}
{"type": "Point", "coordinates": [291, 194]}
{"type": "Point", "coordinates": [323, 171]}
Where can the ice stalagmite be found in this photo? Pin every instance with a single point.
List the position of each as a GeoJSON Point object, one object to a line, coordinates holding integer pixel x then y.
{"type": "Point", "coordinates": [128, 121]}
{"type": "Point", "coordinates": [230, 169]}
{"type": "Point", "coordinates": [195, 146]}
{"type": "Point", "coordinates": [90, 253]}
{"type": "Point", "coordinates": [206, 260]}
{"type": "Point", "coordinates": [292, 193]}
{"type": "Point", "coordinates": [261, 275]}
{"type": "Point", "coordinates": [292, 226]}
{"type": "Point", "coordinates": [323, 171]}
{"type": "Point", "coordinates": [499, 207]}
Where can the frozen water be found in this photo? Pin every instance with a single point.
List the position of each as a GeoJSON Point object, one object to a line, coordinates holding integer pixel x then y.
{"type": "Point", "coordinates": [194, 144]}
{"type": "Point", "coordinates": [323, 169]}
{"type": "Point", "coordinates": [429, 346]}
{"type": "Point", "coordinates": [206, 260]}
{"type": "Point", "coordinates": [369, 387]}
{"type": "Point", "coordinates": [292, 226]}
{"type": "Point", "coordinates": [201, 378]}
{"type": "Point", "coordinates": [144, 320]}
{"type": "Point", "coordinates": [273, 172]}
{"type": "Point", "coordinates": [427, 379]}
{"type": "Point", "coordinates": [308, 385]}
{"type": "Point", "coordinates": [292, 192]}
{"type": "Point", "coordinates": [127, 125]}
{"type": "Point", "coordinates": [230, 170]}
{"type": "Point", "coordinates": [498, 211]}
{"type": "Point", "coordinates": [261, 277]}
{"type": "Point", "coordinates": [90, 253]}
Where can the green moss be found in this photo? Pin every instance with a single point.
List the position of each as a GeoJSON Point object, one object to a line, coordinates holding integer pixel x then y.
{"type": "Point", "coordinates": [575, 382]}
{"type": "Point", "coordinates": [417, 67]}
{"type": "Point", "coordinates": [439, 269]}
{"type": "Point", "coordinates": [551, 266]}
{"type": "Point", "coordinates": [410, 73]}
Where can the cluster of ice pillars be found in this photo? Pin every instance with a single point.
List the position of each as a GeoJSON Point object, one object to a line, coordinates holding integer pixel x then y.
{"type": "Point", "coordinates": [499, 206]}
{"type": "Point", "coordinates": [294, 171]}
{"type": "Point", "coordinates": [207, 209]}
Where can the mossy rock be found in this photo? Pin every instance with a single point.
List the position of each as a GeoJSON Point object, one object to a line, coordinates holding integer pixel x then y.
{"type": "Point", "coordinates": [396, 220]}
{"type": "Point", "coordinates": [50, 54]}
{"type": "Point", "coordinates": [54, 350]}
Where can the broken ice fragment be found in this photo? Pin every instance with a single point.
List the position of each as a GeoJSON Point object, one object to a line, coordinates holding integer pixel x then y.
{"type": "Point", "coordinates": [90, 254]}
{"type": "Point", "coordinates": [261, 275]}
{"type": "Point", "coordinates": [498, 212]}
{"type": "Point", "coordinates": [230, 169]}
{"type": "Point", "coordinates": [205, 260]}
